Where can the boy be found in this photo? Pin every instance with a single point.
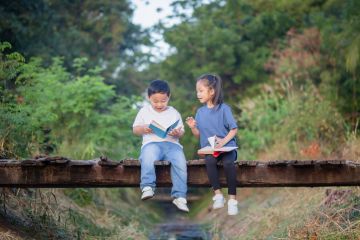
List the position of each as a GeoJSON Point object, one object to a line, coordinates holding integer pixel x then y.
{"type": "Point", "coordinates": [157, 148]}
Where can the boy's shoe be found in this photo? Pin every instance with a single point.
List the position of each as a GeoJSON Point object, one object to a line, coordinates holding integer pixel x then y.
{"type": "Point", "coordinates": [180, 203]}
{"type": "Point", "coordinates": [232, 207]}
{"type": "Point", "coordinates": [219, 201]}
{"type": "Point", "coordinates": [147, 192]}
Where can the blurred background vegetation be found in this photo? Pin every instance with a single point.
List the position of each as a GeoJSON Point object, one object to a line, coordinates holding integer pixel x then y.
{"type": "Point", "coordinates": [73, 74]}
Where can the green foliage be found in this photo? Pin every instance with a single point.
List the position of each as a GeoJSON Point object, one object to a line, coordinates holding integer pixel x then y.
{"type": "Point", "coordinates": [231, 39]}
{"type": "Point", "coordinates": [238, 39]}
{"type": "Point", "coordinates": [13, 118]}
{"type": "Point", "coordinates": [339, 26]}
{"type": "Point", "coordinates": [297, 120]}
{"type": "Point", "coordinates": [81, 196]}
{"type": "Point", "coordinates": [85, 227]}
{"type": "Point", "coordinates": [52, 108]}
{"type": "Point", "coordinates": [100, 31]}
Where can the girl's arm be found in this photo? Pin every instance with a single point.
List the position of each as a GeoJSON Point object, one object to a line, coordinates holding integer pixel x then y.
{"type": "Point", "coordinates": [141, 130]}
{"type": "Point", "coordinates": [190, 121]}
{"type": "Point", "coordinates": [195, 131]}
{"type": "Point", "coordinates": [220, 142]}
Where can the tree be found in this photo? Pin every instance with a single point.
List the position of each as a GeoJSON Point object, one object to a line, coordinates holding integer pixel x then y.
{"type": "Point", "coordinates": [101, 31]}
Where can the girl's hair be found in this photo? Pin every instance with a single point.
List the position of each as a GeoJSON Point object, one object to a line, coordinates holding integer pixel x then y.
{"type": "Point", "coordinates": [213, 82]}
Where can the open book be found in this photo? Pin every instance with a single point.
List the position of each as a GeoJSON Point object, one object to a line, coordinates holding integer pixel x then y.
{"type": "Point", "coordinates": [160, 130]}
{"type": "Point", "coordinates": [212, 150]}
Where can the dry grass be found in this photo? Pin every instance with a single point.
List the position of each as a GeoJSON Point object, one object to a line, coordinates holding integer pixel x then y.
{"type": "Point", "coordinates": [51, 210]}
{"type": "Point", "coordinates": [290, 213]}
{"type": "Point", "coordinates": [8, 235]}
{"type": "Point", "coordinates": [338, 218]}
{"type": "Point", "coordinates": [294, 213]}
{"type": "Point", "coordinates": [352, 149]}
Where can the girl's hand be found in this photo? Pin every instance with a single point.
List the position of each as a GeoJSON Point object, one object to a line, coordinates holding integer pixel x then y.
{"type": "Point", "coordinates": [190, 121]}
{"type": "Point", "coordinates": [219, 142]}
{"type": "Point", "coordinates": [177, 132]}
{"type": "Point", "coordinates": [146, 129]}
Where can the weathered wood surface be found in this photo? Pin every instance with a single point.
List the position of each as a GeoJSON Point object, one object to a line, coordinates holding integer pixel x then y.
{"type": "Point", "coordinates": [63, 172]}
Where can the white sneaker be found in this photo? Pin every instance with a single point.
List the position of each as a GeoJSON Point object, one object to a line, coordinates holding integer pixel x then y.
{"type": "Point", "coordinates": [147, 192]}
{"type": "Point", "coordinates": [232, 207]}
{"type": "Point", "coordinates": [219, 201]}
{"type": "Point", "coordinates": [180, 203]}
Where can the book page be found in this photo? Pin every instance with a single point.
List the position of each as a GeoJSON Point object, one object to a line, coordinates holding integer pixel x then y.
{"type": "Point", "coordinates": [172, 126]}
{"type": "Point", "coordinates": [156, 124]}
{"type": "Point", "coordinates": [212, 141]}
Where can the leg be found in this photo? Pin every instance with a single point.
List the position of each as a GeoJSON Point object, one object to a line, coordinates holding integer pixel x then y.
{"type": "Point", "coordinates": [212, 172]}
{"type": "Point", "coordinates": [230, 171]}
{"type": "Point", "coordinates": [149, 154]}
{"type": "Point", "coordinates": [175, 155]}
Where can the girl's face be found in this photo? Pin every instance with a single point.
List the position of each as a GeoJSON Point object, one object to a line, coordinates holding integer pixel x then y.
{"type": "Point", "coordinates": [204, 93]}
{"type": "Point", "coordinates": [159, 101]}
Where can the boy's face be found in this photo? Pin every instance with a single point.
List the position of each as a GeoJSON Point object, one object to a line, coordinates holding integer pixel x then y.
{"type": "Point", "coordinates": [159, 101]}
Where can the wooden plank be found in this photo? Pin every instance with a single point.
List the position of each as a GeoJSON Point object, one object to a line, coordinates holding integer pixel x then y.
{"type": "Point", "coordinates": [63, 172]}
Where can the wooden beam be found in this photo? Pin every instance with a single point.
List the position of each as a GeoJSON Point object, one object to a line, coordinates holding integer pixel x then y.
{"type": "Point", "coordinates": [56, 172]}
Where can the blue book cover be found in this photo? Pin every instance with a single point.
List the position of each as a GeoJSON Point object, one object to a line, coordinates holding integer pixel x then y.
{"type": "Point", "coordinates": [160, 130]}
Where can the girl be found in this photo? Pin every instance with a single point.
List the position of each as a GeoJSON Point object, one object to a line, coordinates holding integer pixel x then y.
{"type": "Point", "coordinates": [215, 118]}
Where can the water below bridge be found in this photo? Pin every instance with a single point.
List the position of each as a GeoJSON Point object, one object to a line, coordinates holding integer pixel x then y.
{"type": "Point", "coordinates": [177, 225]}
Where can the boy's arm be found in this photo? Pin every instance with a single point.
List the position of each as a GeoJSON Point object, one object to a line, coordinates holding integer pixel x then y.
{"type": "Point", "coordinates": [141, 130]}
{"type": "Point", "coordinates": [177, 132]}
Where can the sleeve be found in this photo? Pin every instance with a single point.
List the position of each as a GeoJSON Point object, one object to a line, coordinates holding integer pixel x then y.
{"type": "Point", "coordinates": [139, 120]}
{"type": "Point", "coordinates": [197, 115]}
{"type": "Point", "coordinates": [229, 120]}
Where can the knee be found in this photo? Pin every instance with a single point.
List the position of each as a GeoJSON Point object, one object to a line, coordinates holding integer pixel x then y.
{"type": "Point", "coordinates": [179, 165]}
{"type": "Point", "coordinates": [228, 164]}
{"type": "Point", "coordinates": [150, 153]}
{"type": "Point", "coordinates": [210, 161]}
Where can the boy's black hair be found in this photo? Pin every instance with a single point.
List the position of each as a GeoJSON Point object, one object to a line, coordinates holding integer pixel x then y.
{"type": "Point", "coordinates": [158, 86]}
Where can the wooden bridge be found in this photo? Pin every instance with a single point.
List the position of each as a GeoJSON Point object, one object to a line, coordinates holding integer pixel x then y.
{"type": "Point", "coordinates": [63, 172]}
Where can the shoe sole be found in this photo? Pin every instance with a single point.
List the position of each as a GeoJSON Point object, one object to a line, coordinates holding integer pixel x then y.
{"type": "Point", "coordinates": [146, 198]}
{"type": "Point", "coordinates": [183, 210]}
{"type": "Point", "coordinates": [233, 214]}
{"type": "Point", "coordinates": [220, 206]}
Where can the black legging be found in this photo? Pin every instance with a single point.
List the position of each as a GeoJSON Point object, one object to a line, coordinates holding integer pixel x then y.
{"type": "Point", "coordinates": [228, 159]}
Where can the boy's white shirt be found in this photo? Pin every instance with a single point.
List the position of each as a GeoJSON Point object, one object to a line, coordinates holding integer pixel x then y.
{"type": "Point", "coordinates": [164, 118]}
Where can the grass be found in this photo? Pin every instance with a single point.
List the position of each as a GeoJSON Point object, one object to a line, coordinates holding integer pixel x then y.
{"type": "Point", "coordinates": [293, 213]}
{"type": "Point", "coordinates": [50, 214]}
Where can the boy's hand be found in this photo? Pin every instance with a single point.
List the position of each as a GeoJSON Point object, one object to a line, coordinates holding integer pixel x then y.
{"type": "Point", "coordinates": [177, 132]}
{"type": "Point", "coordinates": [219, 142]}
{"type": "Point", "coordinates": [146, 129]}
{"type": "Point", "coordinates": [190, 121]}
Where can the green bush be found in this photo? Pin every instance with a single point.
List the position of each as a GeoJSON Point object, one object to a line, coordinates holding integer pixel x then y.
{"type": "Point", "coordinates": [298, 119]}
{"type": "Point", "coordinates": [50, 109]}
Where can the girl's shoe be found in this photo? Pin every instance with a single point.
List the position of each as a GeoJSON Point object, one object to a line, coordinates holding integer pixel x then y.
{"type": "Point", "coordinates": [219, 201]}
{"type": "Point", "coordinates": [232, 207]}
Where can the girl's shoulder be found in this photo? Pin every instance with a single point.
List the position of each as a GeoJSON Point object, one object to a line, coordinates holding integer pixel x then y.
{"type": "Point", "coordinates": [202, 109]}
{"type": "Point", "coordinates": [225, 106]}
{"type": "Point", "coordinates": [222, 107]}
